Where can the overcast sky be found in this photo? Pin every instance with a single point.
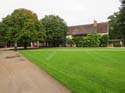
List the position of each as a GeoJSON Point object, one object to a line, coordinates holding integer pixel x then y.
{"type": "Point", "coordinates": [74, 12]}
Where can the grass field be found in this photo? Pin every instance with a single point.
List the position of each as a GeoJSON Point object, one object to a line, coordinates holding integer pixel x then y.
{"type": "Point", "coordinates": [83, 70]}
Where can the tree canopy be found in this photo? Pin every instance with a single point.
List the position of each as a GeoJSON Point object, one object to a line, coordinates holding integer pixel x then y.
{"type": "Point", "coordinates": [22, 26]}
{"type": "Point", "coordinates": [114, 29]}
{"type": "Point", "coordinates": [122, 19]}
{"type": "Point", "coordinates": [2, 29]}
{"type": "Point", "coordinates": [55, 28]}
{"type": "Point", "coordinates": [117, 23]}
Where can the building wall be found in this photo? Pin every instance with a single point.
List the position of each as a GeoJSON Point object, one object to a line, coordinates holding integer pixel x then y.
{"type": "Point", "coordinates": [69, 36]}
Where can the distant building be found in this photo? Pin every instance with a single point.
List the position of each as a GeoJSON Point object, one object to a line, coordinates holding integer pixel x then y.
{"type": "Point", "coordinates": [83, 30]}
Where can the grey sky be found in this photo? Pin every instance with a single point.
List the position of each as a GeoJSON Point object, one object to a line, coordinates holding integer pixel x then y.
{"type": "Point", "coordinates": [74, 12]}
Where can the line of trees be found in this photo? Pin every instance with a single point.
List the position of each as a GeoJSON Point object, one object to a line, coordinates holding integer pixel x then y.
{"type": "Point", "coordinates": [23, 27]}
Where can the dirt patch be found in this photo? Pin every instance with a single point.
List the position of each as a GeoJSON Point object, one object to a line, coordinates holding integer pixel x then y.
{"type": "Point", "coordinates": [22, 59]}
{"type": "Point", "coordinates": [9, 57]}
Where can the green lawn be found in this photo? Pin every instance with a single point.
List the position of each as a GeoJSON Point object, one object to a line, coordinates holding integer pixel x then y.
{"type": "Point", "coordinates": [83, 70]}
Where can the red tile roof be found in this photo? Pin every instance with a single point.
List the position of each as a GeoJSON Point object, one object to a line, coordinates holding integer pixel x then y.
{"type": "Point", "coordinates": [88, 29]}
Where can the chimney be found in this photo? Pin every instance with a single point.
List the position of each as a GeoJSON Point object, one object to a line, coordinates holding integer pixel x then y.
{"type": "Point", "coordinates": [95, 23]}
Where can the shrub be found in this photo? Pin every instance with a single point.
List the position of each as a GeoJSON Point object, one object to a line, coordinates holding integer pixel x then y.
{"type": "Point", "coordinates": [91, 40]}
{"type": "Point", "coordinates": [78, 41]}
{"type": "Point", "coordinates": [70, 41]}
{"type": "Point", "coordinates": [104, 41]}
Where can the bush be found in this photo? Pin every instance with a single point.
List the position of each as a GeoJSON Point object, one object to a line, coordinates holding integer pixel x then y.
{"type": "Point", "coordinates": [104, 41]}
{"type": "Point", "coordinates": [70, 42]}
{"type": "Point", "coordinates": [78, 41]}
{"type": "Point", "coordinates": [91, 40]}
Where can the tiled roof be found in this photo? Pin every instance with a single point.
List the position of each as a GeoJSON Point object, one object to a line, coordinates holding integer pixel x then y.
{"type": "Point", "coordinates": [88, 29]}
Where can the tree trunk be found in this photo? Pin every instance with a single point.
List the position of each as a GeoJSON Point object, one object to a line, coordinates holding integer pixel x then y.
{"type": "Point", "coordinates": [25, 44]}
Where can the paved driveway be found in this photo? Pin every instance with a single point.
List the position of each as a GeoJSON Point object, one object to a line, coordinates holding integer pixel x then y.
{"type": "Point", "coordinates": [18, 75]}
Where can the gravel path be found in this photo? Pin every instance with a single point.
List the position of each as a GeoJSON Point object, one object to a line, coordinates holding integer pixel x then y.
{"type": "Point", "coordinates": [18, 75]}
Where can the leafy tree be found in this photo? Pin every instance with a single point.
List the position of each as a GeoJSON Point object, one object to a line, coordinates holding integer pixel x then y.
{"type": "Point", "coordinates": [114, 29]}
{"type": "Point", "coordinates": [122, 20]}
{"type": "Point", "coordinates": [55, 28]}
{"type": "Point", "coordinates": [2, 29]}
{"type": "Point", "coordinates": [7, 30]}
{"type": "Point", "coordinates": [23, 26]}
{"type": "Point", "coordinates": [5, 34]}
{"type": "Point", "coordinates": [117, 24]}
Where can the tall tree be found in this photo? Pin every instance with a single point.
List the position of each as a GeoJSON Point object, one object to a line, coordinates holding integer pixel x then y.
{"type": "Point", "coordinates": [2, 29]}
{"type": "Point", "coordinates": [114, 29]}
{"type": "Point", "coordinates": [122, 19]}
{"type": "Point", "coordinates": [55, 28]}
{"type": "Point", "coordinates": [117, 24]}
{"type": "Point", "coordinates": [23, 26]}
